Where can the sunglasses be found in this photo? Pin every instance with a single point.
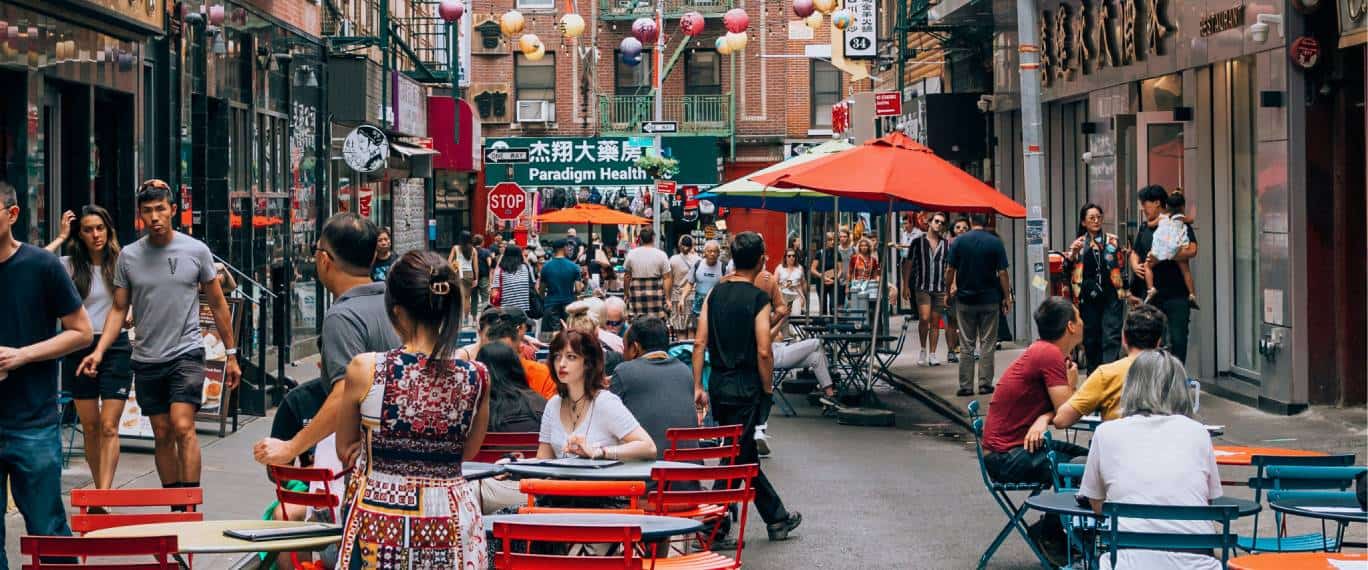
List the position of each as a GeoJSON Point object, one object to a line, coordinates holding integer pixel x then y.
{"type": "Point", "coordinates": [613, 324]}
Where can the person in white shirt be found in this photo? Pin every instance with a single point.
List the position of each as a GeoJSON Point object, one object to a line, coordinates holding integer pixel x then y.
{"type": "Point", "coordinates": [1156, 454]}
{"type": "Point", "coordinates": [583, 419]}
{"type": "Point", "coordinates": [792, 285]}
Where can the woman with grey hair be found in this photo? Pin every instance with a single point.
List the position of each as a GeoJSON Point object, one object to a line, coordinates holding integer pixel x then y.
{"type": "Point", "coordinates": [1156, 454]}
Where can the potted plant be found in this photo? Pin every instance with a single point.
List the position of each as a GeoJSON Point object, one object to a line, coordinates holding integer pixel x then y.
{"type": "Point", "coordinates": [658, 167]}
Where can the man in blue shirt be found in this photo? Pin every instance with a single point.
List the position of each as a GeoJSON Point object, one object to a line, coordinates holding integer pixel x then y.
{"type": "Point", "coordinates": [977, 278]}
{"type": "Point", "coordinates": [560, 281]}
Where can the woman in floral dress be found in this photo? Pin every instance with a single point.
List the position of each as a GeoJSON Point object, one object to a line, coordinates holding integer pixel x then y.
{"type": "Point", "coordinates": [419, 412]}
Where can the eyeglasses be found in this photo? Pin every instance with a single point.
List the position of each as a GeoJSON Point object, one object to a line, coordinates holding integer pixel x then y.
{"type": "Point", "coordinates": [318, 248]}
{"type": "Point", "coordinates": [937, 222]}
{"type": "Point", "coordinates": [613, 324]}
{"type": "Point", "coordinates": [1093, 218]}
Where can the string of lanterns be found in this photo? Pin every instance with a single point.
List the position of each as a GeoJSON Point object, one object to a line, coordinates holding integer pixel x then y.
{"type": "Point", "coordinates": [644, 30]}
{"type": "Point", "coordinates": [812, 12]}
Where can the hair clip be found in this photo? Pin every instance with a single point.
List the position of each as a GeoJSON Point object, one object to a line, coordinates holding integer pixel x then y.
{"type": "Point", "coordinates": [440, 288]}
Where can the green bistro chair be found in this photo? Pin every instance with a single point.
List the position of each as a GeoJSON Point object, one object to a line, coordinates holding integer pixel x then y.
{"type": "Point", "coordinates": [1329, 485]}
{"type": "Point", "coordinates": [1117, 539]}
{"type": "Point", "coordinates": [1261, 482]}
{"type": "Point", "coordinates": [1015, 513]}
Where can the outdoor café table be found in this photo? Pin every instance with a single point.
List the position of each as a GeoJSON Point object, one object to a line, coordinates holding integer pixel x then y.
{"type": "Point", "coordinates": [653, 528]}
{"type": "Point", "coordinates": [853, 362]}
{"type": "Point", "coordinates": [1241, 455]}
{"type": "Point", "coordinates": [206, 537]}
{"type": "Point", "coordinates": [626, 471]}
{"type": "Point", "coordinates": [1345, 510]}
{"type": "Point", "coordinates": [475, 470]}
{"type": "Point", "coordinates": [1091, 421]}
{"type": "Point", "coordinates": [1300, 561]}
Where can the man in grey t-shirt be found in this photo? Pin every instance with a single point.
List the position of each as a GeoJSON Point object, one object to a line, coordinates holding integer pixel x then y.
{"type": "Point", "coordinates": [164, 274]}
{"type": "Point", "coordinates": [356, 323]}
{"type": "Point", "coordinates": [655, 387]}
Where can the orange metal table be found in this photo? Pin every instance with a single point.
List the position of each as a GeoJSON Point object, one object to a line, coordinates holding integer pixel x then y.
{"type": "Point", "coordinates": [1295, 560]}
{"type": "Point", "coordinates": [1241, 455]}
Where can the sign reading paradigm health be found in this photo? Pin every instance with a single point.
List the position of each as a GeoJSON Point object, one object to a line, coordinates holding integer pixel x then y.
{"type": "Point", "coordinates": [596, 161]}
{"type": "Point", "coordinates": [365, 149]}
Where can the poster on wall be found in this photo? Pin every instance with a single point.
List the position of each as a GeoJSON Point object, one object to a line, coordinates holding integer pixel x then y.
{"type": "Point", "coordinates": [410, 218]}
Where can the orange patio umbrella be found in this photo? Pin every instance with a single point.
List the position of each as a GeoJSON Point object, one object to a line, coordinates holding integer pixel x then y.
{"type": "Point", "coordinates": [590, 214]}
{"type": "Point", "coordinates": [899, 169]}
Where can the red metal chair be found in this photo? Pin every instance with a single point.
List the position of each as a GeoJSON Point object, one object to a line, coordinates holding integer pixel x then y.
{"type": "Point", "coordinates": [727, 451]}
{"type": "Point", "coordinates": [160, 548]}
{"type": "Point", "coordinates": [84, 499]}
{"type": "Point", "coordinates": [498, 444]}
{"type": "Point", "coordinates": [738, 491]}
{"type": "Point", "coordinates": [627, 536]}
{"type": "Point", "coordinates": [537, 488]}
{"type": "Point", "coordinates": [324, 499]}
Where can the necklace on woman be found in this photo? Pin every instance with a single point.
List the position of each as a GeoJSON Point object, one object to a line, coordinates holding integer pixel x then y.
{"type": "Point", "coordinates": [575, 412]}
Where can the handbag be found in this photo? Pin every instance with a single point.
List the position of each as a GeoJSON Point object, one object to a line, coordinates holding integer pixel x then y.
{"type": "Point", "coordinates": [536, 305]}
{"type": "Point", "coordinates": [496, 292]}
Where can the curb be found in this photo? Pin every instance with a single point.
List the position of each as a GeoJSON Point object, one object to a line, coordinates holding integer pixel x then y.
{"type": "Point", "coordinates": [941, 406]}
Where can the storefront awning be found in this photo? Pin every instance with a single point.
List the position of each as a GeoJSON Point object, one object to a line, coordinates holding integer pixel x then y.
{"type": "Point", "coordinates": [409, 151]}
{"type": "Point", "coordinates": [457, 155]}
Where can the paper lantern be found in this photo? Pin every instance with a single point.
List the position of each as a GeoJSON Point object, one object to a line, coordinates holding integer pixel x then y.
{"type": "Point", "coordinates": [824, 6]}
{"type": "Point", "coordinates": [572, 25]}
{"type": "Point", "coordinates": [630, 47]}
{"type": "Point", "coordinates": [736, 20]}
{"type": "Point", "coordinates": [803, 8]}
{"type": "Point", "coordinates": [632, 61]}
{"type": "Point", "coordinates": [529, 43]}
{"type": "Point", "coordinates": [814, 20]}
{"type": "Point", "coordinates": [216, 15]}
{"type": "Point", "coordinates": [536, 54]}
{"type": "Point", "coordinates": [841, 19]}
{"type": "Point", "coordinates": [736, 41]}
{"type": "Point", "coordinates": [691, 24]}
{"type": "Point", "coordinates": [450, 10]}
{"type": "Point", "coordinates": [645, 30]}
{"type": "Point", "coordinates": [512, 22]}
{"type": "Point", "coordinates": [722, 46]}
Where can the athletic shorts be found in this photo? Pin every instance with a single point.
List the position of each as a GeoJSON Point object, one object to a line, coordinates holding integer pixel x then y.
{"type": "Point", "coordinates": [112, 378]}
{"type": "Point", "coordinates": [936, 300]}
{"type": "Point", "coordinates": [159, 384]}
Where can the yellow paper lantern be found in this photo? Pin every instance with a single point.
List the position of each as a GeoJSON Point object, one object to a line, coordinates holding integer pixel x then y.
{"type": "Point", "coordinates": [824, 6]}
{"type": "Point", "coordinates": [512, 22]}
{"type": "Point", "coordinates": [529, 43]}
{"type": "Point", "coordinates": [814, 20]}
{"type": "Point", "coordinates": [842, 19]}
{"type": "Point", "coordinates": [572, 25]}
{"type": "Point", "coordinates": [536, 54]}
{"type": "Point", "coordinates": [721, 45]}
{"type": "Point", "coordinates": [736, 41]}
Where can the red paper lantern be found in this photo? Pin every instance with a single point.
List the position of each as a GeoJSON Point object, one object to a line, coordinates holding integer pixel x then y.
{"type": "Point", "coordinates": [736, 20]}
{"type": "Point", "coordinates": [450, 10]}
{"type": "Point", "coordinates": [645, 30]}
{"type": "Point", "coordinates": [691, 24]}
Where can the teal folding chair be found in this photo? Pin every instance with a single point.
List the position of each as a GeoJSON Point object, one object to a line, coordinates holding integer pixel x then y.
{"type": "Point", "coordinates": [1015, 513]}
{"type": "Point", "coordinates": [1116, 539]}
{"type": "Point", "coordinates": [66, 408]}
{"type": "Point", "coordinates": [1067, 477]}
{"type": "Point", "coordinates": [1261, 482]}
{"type": "Point", "coordinates": [1331, 485]}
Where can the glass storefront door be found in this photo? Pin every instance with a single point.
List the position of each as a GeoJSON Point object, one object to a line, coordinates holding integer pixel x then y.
{"type": "Point", "coordinates": [1247, 310]}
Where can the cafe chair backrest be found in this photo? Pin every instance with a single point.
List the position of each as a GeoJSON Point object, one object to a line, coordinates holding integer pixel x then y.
{"type": "Point", "coordinates": [626, 536]}
{"type": "Point", "coordinates": [1222, 515]}
{"type": "Point", "coordinates": [83, 521]}
{"type": "Point", "coordinates": [729, 438]}
{"type": "Point", "coordinates": [39, 548]}
{"type": "Point", "coordinates": [541, 488]}
{"type": "Point", "coordinates": [497, 445]}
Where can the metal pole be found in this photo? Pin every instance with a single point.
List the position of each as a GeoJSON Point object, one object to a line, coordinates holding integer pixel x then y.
{"type": "Point", "coordinates": [659, 109]}
{"type": "Point", "coordinates": [454, 72]}
{"type": "Point", "coordinates": [1032, 153]}
{"type": "Point", "coordinates": [385, 105]}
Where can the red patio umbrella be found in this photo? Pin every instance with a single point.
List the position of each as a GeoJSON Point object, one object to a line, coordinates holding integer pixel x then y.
{"type": "Point", "coordinates": [590, 214]}
{"type": "Point", "coordinates": [898, 168]}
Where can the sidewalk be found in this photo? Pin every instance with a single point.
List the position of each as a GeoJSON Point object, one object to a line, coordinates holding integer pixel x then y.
{"type": "Point", "coordinates": [1321, 428]}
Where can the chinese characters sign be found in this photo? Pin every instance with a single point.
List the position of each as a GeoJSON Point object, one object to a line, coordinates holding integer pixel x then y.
{"type": "Point", "coordinates": [602, 161]}
{"type": "Point", "coordinates": [862, 37]}
{"type": "Point", "coordinates": [1088, 35]}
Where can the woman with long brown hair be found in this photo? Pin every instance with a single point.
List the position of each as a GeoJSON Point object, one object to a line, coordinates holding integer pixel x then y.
{"type": "Point", "coordinates": [584, 419]}
{"type": "Point", "coordinates": [99, 399]}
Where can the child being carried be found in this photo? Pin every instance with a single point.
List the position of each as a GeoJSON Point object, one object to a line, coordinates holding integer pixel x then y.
{"type": "Point", "coordinates": [1170, 237]}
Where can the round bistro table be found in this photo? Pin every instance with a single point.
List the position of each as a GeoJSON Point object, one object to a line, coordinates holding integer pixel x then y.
{"type": "Point", "coordinates": [653, 528]}
{"type": "Point", "coordinates": [626, 471]}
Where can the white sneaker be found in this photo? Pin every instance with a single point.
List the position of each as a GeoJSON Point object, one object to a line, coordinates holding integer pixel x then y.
{"type": "Point", "coordinates": [762, 441]}
{"type": "Point", "coordinates": [921, 358]}
{"type": "Point", "coordinates": [933, 361]}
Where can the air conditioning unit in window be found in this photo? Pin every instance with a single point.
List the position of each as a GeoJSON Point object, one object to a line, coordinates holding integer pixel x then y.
{"type": "Point", "coordinates": [536, 111]}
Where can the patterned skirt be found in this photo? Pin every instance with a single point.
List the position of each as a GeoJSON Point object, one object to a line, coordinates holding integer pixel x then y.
{"type": "Point", "coordinates": [410, 523]}
{"type": "Point", "coordinates": [646, 297]}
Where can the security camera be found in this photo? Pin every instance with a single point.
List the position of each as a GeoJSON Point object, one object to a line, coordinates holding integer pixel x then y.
{"type": "Point", "coordinates": [1258, 31]}
{"type": "Point", "coordinates": [985, 103]}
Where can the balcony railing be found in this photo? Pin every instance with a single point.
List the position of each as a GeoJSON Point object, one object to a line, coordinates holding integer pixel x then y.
{"type": "Point", "coordinates": [695, 114]}
{"type": "Point", "coordinates": [632, 9]}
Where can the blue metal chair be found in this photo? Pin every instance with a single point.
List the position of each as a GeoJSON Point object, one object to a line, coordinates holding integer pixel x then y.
{"type": "Point", "coordinates": [66, 409]}
{"type": "Point", "coordinates": [1261, 482]}
{"type": "Point", "coordinates": [1015, 513]}
{"type": "Point", "coordinates": [1067, 477]}
{"type": "Point", "coordinates": [1117, 539]}
{"type": "Point", "coordinates": [786, 408]}
{"type": "Point", "coordinates": [1328, 484]}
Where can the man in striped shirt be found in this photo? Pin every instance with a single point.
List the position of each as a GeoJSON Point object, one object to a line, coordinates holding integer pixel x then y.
{"type": "Point", "coordinates": [927, 254]}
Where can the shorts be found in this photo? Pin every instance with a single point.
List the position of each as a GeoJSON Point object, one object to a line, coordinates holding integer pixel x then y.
{"type": "Point", "coordinates": [935, 299]}
{"type": "Point", "coordinates": [112, 378]}
{"type": "Point", "coordinates": [179, 380]}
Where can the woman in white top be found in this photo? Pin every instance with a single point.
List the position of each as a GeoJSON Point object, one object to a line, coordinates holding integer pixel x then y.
{"type": "Point", "coordinates": [791, 283]}
{"type": "Point", "coordinates": [583, 419]}
{"type": "Point", "coordinates": [463, 258]}
{"type": "Point", "coordinates": [1156, 454]}
{"type": "Point", "coordinates": [99, 399]}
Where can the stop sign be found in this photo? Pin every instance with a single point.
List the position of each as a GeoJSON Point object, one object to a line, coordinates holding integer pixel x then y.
{"type": "Point", "coordinates": [507, 201]}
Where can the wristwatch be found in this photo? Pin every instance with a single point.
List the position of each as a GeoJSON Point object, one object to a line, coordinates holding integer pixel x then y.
{"type": "Point", "coordinates": [231, 352]}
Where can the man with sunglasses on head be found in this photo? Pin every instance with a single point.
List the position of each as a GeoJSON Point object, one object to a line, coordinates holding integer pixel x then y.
{"type": "Point", "coordinates": [927, 255]}
{"type": "Point", "coordinates": [163, 275]}
{"type": "Point", "coordinates": [357, 322]}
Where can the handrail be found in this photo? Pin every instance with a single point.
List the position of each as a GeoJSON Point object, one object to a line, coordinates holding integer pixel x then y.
{"type": "Point", "coordinates": [244, 277]}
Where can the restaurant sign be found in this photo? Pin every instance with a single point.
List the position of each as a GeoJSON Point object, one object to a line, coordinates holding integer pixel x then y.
{"type": "Point", "coordinates": [598, 161]}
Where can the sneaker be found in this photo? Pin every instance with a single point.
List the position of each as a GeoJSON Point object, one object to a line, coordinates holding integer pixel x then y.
{"type": "Point", "coordinates": [781, 529]}
{"type": "Point", "coordinates": [828, 401]}
{"type": "Point", "coordinates": [762, 442]}
{"type": "Point", "coordinates": [952, 357]}
{"type": "Point", "coordinates": [1192, 302]}
{"type": "Point", "coordinates": [965, 392]}
{"type": "Point", "coordinates": [932, 361]}
{"type": "Point", "coordinates": [921, 358]}
{"type": "Point", "coordinates": [985, 389]}
{"type": "Point", "coordinates": [724, 543]}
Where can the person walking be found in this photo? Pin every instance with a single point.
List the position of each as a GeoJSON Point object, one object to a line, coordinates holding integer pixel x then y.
{"type": "Point", "coordinates": [1097, 287]}
{"type": "Point", "coordinates": [978, 280]}
{"type": "Point", "coordinates": [484, 266]}
{"type": "Point", "coordinates": [35, 292]}
{"type": "Point", "coordinates": [952, 335]}
{"type": "Point", "coordinates": [1171, 290]}
{"type": "Point", "coordinates": [742, 361]}
{"type": "Point", "coordinates": [704, 275]}
{"type": "Point", "coordinates": [357, 322]}
{"type": "Point", "coordinates": [927, 256]}
{"type": "Point", "coordinates": [680, 264]}
{"type": "Point", "coordinates": [99, 399]}
{"type": "Point", "coordinates": [418, 413]}
{"type": "Point", "coordinates": [384, 256]}
{"type": "Point", "coordinates": [792, 285]}
{"type": "Point", "coordinates": [465, 260]}
{"type": "Point", "coordinates": [163, 275]}
{"type": "Point", "coordinates": [561, 281]}
{"type": "Point", "coordinates": [648, 279]}
{"type": "Point", "coordinates": [513, 280]}
{"type": "Point", "coordinates": [827, 268]}
{"type": "Point", "coordinates": [864, 277]}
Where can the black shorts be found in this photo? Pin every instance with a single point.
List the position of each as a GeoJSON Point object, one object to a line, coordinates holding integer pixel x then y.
{"type": "Point", "coordinates": [159, 384]}
{"type": "Point", "coordinates": [112, 378]}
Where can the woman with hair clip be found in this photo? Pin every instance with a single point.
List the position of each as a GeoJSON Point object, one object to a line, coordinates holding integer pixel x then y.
{"type": "Point", "coordinates": [99, 399]}
{"type": "Point", "coordinates": [420, 411]}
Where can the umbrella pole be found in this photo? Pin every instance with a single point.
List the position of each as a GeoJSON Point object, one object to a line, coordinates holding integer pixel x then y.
{"type": "Point", "coordinates": [878, 310]}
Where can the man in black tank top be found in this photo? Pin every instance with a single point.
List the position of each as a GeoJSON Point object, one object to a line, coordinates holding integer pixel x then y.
{"type": "Point", "coordinates": [742, 367]}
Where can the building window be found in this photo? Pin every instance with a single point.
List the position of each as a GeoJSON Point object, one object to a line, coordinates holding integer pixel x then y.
{"type": "Point", "coordinates": [702, 73]}
{"type": "Point", "coordinates": [825, 91]}
{"type": "Point", "coordinates": [536, 4]}
{"type": "Point", "coordinates": [534, 80]}
{"type": "Point", "coordinates": [633, 79]}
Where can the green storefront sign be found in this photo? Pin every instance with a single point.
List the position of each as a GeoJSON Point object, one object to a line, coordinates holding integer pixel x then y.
{"type": "Point", "coordinates": [598, 161]}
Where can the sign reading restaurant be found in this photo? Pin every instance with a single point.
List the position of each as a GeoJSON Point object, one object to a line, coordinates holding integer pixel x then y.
{"type": "Point", "coordinates": [598, 161]}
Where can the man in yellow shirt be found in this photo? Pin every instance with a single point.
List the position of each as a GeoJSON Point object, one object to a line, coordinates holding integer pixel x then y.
{"type": "Point", "coordinates": [1145, 328]}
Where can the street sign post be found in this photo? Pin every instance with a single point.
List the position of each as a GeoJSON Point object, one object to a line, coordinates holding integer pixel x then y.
{"type": "Point", "coordinates": [659, 127]}
{"type": "Point", "coordinates": [507, 155]}
{"type": "Point", "coordinates": [887, 104]}
{"type": "Point", "coordinates": [507, 201]}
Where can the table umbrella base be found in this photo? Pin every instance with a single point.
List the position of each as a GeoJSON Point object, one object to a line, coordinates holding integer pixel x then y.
{"type": "Point", "coordinates": [868, 417]}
